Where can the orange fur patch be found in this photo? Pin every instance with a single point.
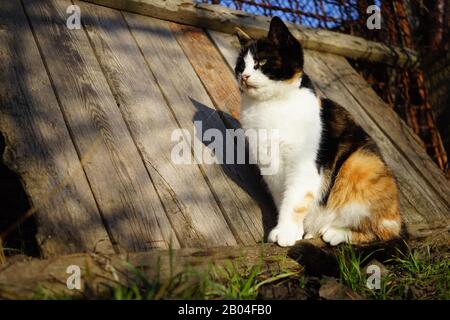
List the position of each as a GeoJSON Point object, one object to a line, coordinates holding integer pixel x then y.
{"type": "Point", "coordinates": [304, 205]}
{"type": "Point", "coordinates": [365, 179]}
{"type": "Point", "coordinates": [362, 237]}
{"type": "Point", "coordinates": [295, 77]}
{"type": "Point", "coordinates": [300, 209]}
{"type": "Point", "coordinates": [309, 196]}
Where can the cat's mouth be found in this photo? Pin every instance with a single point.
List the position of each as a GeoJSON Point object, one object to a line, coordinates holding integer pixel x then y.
{"type": "Point", "coordinates": [248, 86]}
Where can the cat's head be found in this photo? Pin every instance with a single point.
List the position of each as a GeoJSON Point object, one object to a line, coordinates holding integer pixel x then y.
{"type": "Point", "coordinates": [270, 65]}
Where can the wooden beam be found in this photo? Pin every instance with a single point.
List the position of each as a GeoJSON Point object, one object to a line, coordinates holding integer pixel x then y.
{"type": "Point", "coordinates": [224, 19]}
{"type": "Point", "coordinates": [22, 278]}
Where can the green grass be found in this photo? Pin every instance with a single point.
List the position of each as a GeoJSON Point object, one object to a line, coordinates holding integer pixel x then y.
{"type": "Point", "coordinates": [226, 282]}
{"type": "Point", "coordinates": [186, 285]}
{"type": "Point", "coordinates": [416, 274]}
{"type": "Point", "coordinates": [231, 280]}
{"type": "Point", "coordinates": [42, 293]}
{"type": "Point", "coordinates": [230, 283]}
{"type": "Point", "coordinates": [350, 266]}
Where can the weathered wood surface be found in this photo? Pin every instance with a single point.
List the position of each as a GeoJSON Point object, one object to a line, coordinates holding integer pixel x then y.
{"type": "Point", "coordinates": [224, 19]}
{"type": "Point", "coordinates": [424, 190]}
{"type": "Point", "coordinates": [23, 279]}
{"type": "Point", "coordinates": [228, 46]}
{"type": "Point", "coordinates": [116, 173]}
{"type": "Point", "coordinates": [99, 106]}
{"type": "Point", "coordinates": [39, 146]}
{"type": "Point", "coordinates": [210, 68]}
{"type": "Point", "coordinates": [190, 102]}
{"type": "Point", "coordinates": [194, 213]}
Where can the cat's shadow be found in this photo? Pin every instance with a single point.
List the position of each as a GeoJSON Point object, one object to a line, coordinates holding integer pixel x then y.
{"type": "Point", "coordinates": [247, 176]}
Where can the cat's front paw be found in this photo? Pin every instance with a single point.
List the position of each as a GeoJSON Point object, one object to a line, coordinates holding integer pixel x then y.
{"type": "Point", "coordinates": [286, 235]}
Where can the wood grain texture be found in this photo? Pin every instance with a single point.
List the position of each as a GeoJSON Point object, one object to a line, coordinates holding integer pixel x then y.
{"type": "Point", "coordinates": [193, 212]}
{"type": "Point", "coordinates": [116, 173]}
{"type": "Point", "coordinates": [39, 148]}
{"type": "Point", "coordinates": [210, 68]}
{"type": "Point", "coordinates": [224, 19]}
{"type": "Point", "coordinates": [420, 199]}
{"type": "Point", "coordinates": [190, 102]}
{"type": "Point", "coordinates": [221, 40]}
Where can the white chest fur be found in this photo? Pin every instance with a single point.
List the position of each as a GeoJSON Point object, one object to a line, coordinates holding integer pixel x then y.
{"type": "Point", "coordinates": [295, 116]}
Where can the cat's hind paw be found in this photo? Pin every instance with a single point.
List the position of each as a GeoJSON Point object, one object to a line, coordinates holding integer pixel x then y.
{"type": "Point", "coordinates": [286, 235]}
{"type": "Point", "coordinates": [335, 236]}
{"type": "Point", "coordinates": [308, 236]}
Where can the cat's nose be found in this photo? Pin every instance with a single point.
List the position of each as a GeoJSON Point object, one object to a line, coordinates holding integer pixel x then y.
{"type": "Point", "coordinates": [245, 77]}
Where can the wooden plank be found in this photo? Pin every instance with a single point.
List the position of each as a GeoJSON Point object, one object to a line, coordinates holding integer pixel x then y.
{"type": "Point", "coordinates": [151, 124]}
{"type": "Point", "coordinates": [21, 279]}
{"type": "Point", "coordinates": [39, 147]}
{"type": "Point", "coordinates": [118, 178]}
{"type": "Point", "coordinates": [224, 19]}
{"type": "Point", "coordinates": [210, 68]}
{"type": "Point", "coordinates": [189, 102]}
{"type": "Point", "coordinates": [418, 199]}
{"type": "Point", "coordinates": [221, 40]}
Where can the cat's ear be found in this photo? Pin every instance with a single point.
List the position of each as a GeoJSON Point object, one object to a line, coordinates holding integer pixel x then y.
{"type": "Point", "coordinates": [279, 33]}
{"type": "Point", "coordinates": [243, 37]}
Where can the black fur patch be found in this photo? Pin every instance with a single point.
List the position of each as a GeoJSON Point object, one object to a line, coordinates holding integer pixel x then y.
{"type": "Point", "coordinates": [341, 136]}
{"type": "Point", "coordinates": [307, 83]}
{"type": "Point", "coordinates": [281, 51]}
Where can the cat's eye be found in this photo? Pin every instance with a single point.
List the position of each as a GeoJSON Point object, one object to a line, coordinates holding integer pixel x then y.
{"type": "Point", "coordinates": [260, 63]}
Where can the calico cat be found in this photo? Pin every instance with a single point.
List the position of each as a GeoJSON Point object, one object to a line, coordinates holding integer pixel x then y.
{"type": "Point", "coordinates": [332, 181]}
